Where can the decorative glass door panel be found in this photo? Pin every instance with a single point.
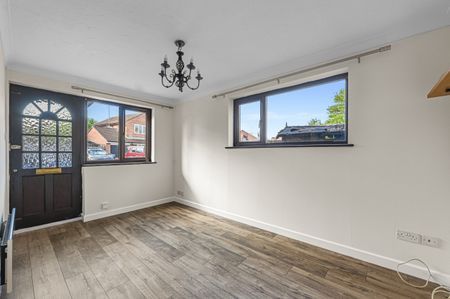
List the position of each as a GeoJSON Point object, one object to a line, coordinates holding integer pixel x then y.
{"type": "Point", "coordinates": [46, 135]}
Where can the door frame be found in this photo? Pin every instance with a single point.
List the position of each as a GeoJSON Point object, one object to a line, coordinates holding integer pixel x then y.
{"type": "Point", "coordinates": [38, 82]}
{"type": "Point", "coordinates": [32, 81]}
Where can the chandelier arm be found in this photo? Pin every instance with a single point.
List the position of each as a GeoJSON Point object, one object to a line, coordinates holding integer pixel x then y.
{"type": "Point", "coordinates": [170, 82]}
{"type": "Point", "coordinates": [167, 78]}
{"type": "Point", "coordinates": [193, 88]}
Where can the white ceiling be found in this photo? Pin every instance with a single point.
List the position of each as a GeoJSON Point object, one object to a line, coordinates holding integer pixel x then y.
{"type": "Point", "coordinates": [119, 44]}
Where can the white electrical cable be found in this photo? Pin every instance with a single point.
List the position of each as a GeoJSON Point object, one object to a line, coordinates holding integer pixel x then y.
{"type": "Point", "coordinates": [410, 284]}
{"type": "Point", "coordinates": [442, 289]}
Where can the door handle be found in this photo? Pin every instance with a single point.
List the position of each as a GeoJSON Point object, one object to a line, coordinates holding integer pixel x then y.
{"type": "Point", "coordinates": [15, 147]}
{"type": "Point", "coordinates": [14, 170]}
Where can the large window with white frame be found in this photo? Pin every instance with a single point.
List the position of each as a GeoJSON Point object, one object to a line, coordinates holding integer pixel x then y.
{"type": "Point", "coordinates": [312, 113]}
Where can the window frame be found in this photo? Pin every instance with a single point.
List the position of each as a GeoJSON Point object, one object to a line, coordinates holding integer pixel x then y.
{"type": "Point", "coordinates": [122, 160]}
{"type": "Point", "coordinates": [262, 99]}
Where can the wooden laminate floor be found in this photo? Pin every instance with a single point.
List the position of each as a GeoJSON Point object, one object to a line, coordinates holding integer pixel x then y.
{"type": "Point", "coordinates": [173, 251]}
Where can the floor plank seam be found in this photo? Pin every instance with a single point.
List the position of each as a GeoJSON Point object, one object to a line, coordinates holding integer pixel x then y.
{"type": "Point", "coordinates": [184, 252]}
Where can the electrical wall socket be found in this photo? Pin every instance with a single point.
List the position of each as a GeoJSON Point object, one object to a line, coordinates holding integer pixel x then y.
{"type": "Point", "coordinates": [104, 205]}
{"type": "Point", "coordinates": [430, 241]}
{"type": "Point", "coordinates": [180, 193]}
{"type": "Point", "coordinates": [418, 238]}
{"type": "Point", "coordinates": [409, 237]}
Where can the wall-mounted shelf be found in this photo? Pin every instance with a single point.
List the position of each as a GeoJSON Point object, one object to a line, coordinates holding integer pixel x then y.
{"type": "Point", "coordinates": [441, 88]}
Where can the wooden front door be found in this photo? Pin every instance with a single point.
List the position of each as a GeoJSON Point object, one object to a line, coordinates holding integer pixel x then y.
{"type": "Point", "coordinates": [45, 162]}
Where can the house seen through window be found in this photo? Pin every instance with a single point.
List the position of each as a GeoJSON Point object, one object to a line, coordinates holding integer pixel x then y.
{"type": "Point", "coordinates": [310, 113]}
{"type": "Point", "coordinates": [135, 140]}
{"type": "Point", "coordinates": [116, 132]}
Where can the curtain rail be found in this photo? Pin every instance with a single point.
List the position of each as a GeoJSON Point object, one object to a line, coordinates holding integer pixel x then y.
{"type": "Point", "coordinates": [357, 56]}
{"type": "Point", "coordinates": [119, 96]}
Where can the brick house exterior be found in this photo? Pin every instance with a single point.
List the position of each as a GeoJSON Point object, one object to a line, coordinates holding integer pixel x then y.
{"type": "Point", "coordinates": [105, 134]}
{"type": "Point", "coordinates": [133, 123]}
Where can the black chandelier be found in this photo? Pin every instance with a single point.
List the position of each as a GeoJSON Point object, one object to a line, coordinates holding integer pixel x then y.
{"type": "Point", "coordinates": [179, 77]}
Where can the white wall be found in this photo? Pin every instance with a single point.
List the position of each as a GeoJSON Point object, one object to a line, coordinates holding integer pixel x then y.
{"type": "Point", "coordinates": [133, 186]}
{"type": "Point", "coordinates": [125, 187]}
{"type": "Point", "coordinates": [2, 132]}
{"type": "Point", "coordinates": [349, 199]}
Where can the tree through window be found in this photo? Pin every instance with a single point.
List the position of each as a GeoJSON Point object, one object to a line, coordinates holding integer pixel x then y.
{"type": "Point", "coordinates": [310, 113]}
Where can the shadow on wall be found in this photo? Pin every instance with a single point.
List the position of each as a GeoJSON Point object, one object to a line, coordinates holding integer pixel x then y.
{"type": "Point", "coordinates": [183, 187]}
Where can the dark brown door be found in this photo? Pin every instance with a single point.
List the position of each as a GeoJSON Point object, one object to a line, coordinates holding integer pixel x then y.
{"type": "Point", "coordinates": [45, 162]}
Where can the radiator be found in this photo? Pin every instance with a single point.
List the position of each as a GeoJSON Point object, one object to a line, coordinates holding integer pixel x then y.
{"type": "Point", "coordinates": [6, 251]}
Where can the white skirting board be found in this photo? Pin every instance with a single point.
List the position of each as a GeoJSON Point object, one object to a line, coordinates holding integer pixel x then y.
{"type": "Point", "coordinates": [370, 257]}
{"type": "Point", "coordinates": [107, 213]}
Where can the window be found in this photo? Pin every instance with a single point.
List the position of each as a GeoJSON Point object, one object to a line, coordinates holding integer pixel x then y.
{"type": "Point", "coordinates": [250, 120]}
{"type": "Point", "coordinates": [103, 131]}
{"type": "Point", "coordinates": [116, 133]}
{"type": "Point", "coordinates": [306, 114]}
{"type": "Point", "coordinates": [139, 129]}
{"type": "Point", "coordinates": [135, 140]}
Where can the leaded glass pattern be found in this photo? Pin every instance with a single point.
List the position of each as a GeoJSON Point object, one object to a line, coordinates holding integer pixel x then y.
{"type": "Point", "coordinates": [31, 110]}
{"type": "Point", "coordinates": [46, 143]}
{"type": "Point", "coordinates": [64, 114]}
{"type": "Point", "coordinates": [30, 160]}
{"type": "Point", "coordinates": [30, 143]}
{"type": "Point", "coordinates": [42, 104]}
{"type": "Point", "coordinates": [48, 127]}
{"type": "Point", "coordinates": [65, 144]}
{"type": "Point", "coordinates": [65, 160]}
{"type": "Point", "coordinates": [30, 126]}
{"type": "Point", "coordinates": [48, 160]}
{"type": "Point", "coordinates": [55, 107]}
{"type": "Point", "coordinates": [65, 128]}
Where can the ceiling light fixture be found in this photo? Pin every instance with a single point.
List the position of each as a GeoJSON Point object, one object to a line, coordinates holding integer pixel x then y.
{"type": "Point", "coordinates": [179, 77]}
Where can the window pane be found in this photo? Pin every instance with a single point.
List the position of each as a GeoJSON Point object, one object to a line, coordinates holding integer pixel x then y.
{"type": "Point", "coordinates": [65, 128]}
{"type": "Point", "coordinates": [65, 144]}
{"type": "Point", "coordinates": [30, 160]}
{"type": "Point", "coordinates": [48, 144]}
{"type": "Point", "coordinates": [55, 107]}
{"type": "Point", "coordinates": [30, 126]}
{"type": "Point", "coordinates": [32, 110]}
{"type": "Point", "coordinates": [310, 114]}
{"type": "Point", "coordinates": [249, 120]}
{"type": "Point", "coordinates": [64, 114]}
{"type": "Point", "coordinates": [135, 137]}
{"type": "Point", "coordinates": [30, 143]}
{"type": "Point", "coordinates": [65, 160]}
{"type": "Point", "coordinates": [48, 160]}
{"type": "Point", "coordinates": [48, 127]}
{"type": "Point", "coordinates": [42, 104]}
{"type": "Point", "coordinates": [103, 131]}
